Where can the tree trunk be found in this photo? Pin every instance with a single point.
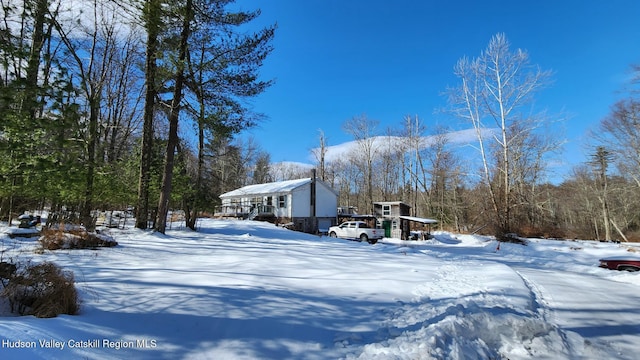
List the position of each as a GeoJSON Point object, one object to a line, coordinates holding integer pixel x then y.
{"type": "Point", "coordinates": [619, 231]}
{"type": "Point", "coordinates": [33, 65]}
{"type": "Point", "coordinates": [85, 215]}
{"type": "Point", "coordinates": [153, 26]}
{"type": "Point", "coordinates": [606, 221]}
{"type": "Point", "coordinates": [192, 214]}
{"type": "Point", "coordinates": [172, 141]}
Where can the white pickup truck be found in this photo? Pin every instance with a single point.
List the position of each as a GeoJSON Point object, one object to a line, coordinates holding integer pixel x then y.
{"type": "Point", "coordinates": [358, 230]}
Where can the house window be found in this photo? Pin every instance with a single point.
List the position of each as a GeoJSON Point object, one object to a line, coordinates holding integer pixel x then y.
{"type": "Point", "coordinates": [386, 210]}
{"type": "Point", "coordinates": [269, 200]}
{"type": "Point", "coordinates": [282, 201]}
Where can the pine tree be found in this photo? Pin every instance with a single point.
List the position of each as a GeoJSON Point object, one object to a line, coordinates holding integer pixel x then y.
{"type": "Point", "coordinates": [216, 68]}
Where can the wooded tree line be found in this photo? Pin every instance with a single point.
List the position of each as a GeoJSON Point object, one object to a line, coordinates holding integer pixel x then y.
{"type": "Point", "coordinates": [100, 105]}
{"type": "Point", "coordinates": [597, 200]}
{"type": "Point", "coordinates": [139, 105]}
{"type": "Point", "coordinates": [499, 184]}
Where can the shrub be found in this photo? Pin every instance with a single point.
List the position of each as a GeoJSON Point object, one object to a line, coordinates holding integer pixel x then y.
{"type": "Point", "coordinates": [42, 290]}
{"type": "Point", "coordinates": [7, 269]}
{"type": "Point", "coordinates": [73, 238]}
{"type": "Point", "coordinates": [512, 238]}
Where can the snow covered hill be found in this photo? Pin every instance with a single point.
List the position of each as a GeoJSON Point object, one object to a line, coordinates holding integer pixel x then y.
{"type": "Point", "coordinates": [250, 290]}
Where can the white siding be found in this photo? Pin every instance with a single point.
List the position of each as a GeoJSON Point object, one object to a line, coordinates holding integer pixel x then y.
{"type": "Point", "coordinates": [300, 198]}
{"type": "Point", "coordinates": [283, 211]}
{"type": "Point", "coordinates": [326, 202]}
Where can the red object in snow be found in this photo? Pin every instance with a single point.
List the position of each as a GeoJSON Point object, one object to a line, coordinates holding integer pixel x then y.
{"type": "Point", "coordinates": [620, 263]}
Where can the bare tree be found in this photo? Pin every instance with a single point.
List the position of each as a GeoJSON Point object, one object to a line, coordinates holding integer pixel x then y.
{"type": "Point", "coordinates": [363, 131]}
{"type": "Point", "coordinates": [617, 142]}
{"type": "Point", "coordinates": [320, 152]}
{"type": "Point", "coordinates": [348, 182]}
{"type": "Point", "coordinates": [249, 153]}
{"type": "Point", "coordinates": [412, 131]}
{"type": "Point", "coordinates": [388, 167]}
{"type": "Point", "coordinates": [225, 165]}
{"type": "Point", "coordinates": [283, 171]}
{"type": "Point", "coordinates": [580, 209]}
{"type": "Point", "coordinates": [93, 50]}
{"type": "Point", "coordinates": [262, 170]}
{"type": "Point", "coordinates": [494, 89]}
{"type": "Point", "coordinates": [123, 96]}
{"type": "Point", "coordinates": [444, 170]}
{"type": "Point", "coordinates": [620, 131]}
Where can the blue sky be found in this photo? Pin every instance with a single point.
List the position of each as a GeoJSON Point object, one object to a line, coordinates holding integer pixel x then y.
{"type": "Point", "coordinates": [336, 59]}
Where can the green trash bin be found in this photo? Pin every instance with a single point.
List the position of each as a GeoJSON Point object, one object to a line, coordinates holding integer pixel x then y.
{"type": "Point", "coordinates": [386, 225]}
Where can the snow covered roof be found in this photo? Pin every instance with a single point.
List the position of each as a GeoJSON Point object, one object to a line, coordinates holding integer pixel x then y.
{"type": "Point", "coordinates": [268, 188]}
{"type": "Point", "coordinates": [420, 220]}
{"type": "Point", "coordinates": [391, 203]}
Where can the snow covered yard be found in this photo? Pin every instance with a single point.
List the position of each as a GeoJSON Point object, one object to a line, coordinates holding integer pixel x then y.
{"type": "Point", "coordinates": [249, 290]}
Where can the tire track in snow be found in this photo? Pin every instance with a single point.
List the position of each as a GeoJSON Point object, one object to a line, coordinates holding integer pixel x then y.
{"type": "Point", "coordinates": [574, 343]}
{"type": "Point", "coordinates": [464, 313]}
{"type": "Point", "coordinates": [540, 305]}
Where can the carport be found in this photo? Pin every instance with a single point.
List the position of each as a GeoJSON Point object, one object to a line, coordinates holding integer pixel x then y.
{"type": "Point", "coordinates": [406, 223]}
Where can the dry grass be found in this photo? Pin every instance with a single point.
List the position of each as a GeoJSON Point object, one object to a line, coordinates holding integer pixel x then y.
{"type": "Point", "coordinates": [73, 238]}
{"type": "Point", "coordinates": [42, 290]}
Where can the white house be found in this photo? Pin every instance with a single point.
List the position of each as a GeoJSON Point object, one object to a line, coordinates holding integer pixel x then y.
{"type": "Point", "coordinates": [309, 204]}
